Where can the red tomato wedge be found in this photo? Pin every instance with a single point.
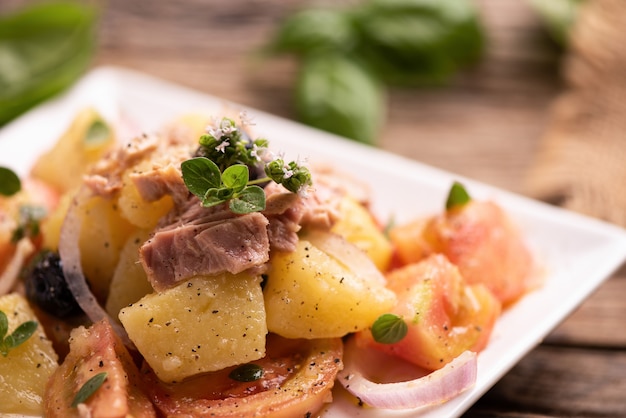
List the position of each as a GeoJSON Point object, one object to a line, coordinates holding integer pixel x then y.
{"type": "Point", "coordinates": [298, 376]}
{"type": "Point", "coordinates": [480, 239]}
{"type": "Point", "coordinates": [445, 315]}
{"type": "Point", "coordinates": [93, 350]}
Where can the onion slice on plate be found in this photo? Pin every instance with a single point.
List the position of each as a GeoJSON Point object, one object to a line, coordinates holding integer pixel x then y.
{"type": "Point", "coordinates": [69, 251]}
{"type": "Point", "coordinates": [434, 388]}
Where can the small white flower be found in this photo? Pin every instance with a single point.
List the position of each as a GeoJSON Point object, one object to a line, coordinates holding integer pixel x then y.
{"type": "Point", "coordinates": [257, 152]}
{"type": "Point", "coordinates": [303, 192]}
{"type": "Point", "coordinates": [245, 118]}
{"type": "Point", "coordinates": [222, 146]}
{"type": "Point", "coordinates": [287, 171]}
{"type": "Point", "coordinates": [302, 162]}
{"type": "Point", "coordinates": [226, 127]}
{"type": "Point", "coordinates": [215, 133]}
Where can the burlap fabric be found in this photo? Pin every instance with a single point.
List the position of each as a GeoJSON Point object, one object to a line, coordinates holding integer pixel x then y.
{"type": "Point", "coordinates": [581, 164]}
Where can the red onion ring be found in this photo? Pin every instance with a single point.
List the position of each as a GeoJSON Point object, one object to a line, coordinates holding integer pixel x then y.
{"type": "Point", "coordinates": [69, 251]}
{"type": "Point", "coordinates": [433, 388]}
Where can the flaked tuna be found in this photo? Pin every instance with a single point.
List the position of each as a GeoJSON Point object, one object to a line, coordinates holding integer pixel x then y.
{"type": "Point", "coordinates": [205, 241]}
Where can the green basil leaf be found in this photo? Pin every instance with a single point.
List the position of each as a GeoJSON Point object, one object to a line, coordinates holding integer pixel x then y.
{"type": "Point", "coordinates": [246, 373]}
{"type": "Point", "coordinates": [201, 174]}
{"type": "Point", "coordinates": [389, 329]}
{"type": "Point", "coordinates": [251, 199]}
{"type": "Point", "coordinates": [43, 49]}
{"type": "Point", "coordinates": [9, 182]}
{"type": "Point", "coordinates": [315, 30]}
{"type": "Point", "coordinates": [415, 42]}
{"type": "Point", "coordinates": [4, 325]}
{"type": "Point", "coordinates": [337, 94]}
{"type": "Point", "coordinates": [457, 196]}
{"type": "Point", "coordinates": [22, 333]}
{"type": "Point", "coordinates": [89, 388]}
{"type": "Point", "coordinates": [236, 177]}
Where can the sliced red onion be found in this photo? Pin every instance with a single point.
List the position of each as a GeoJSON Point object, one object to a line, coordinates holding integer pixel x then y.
{"type": "Point", "coordinates": [23, 250]}
{"type": "Point", "coordinates": [433, 388]}
{"type": "Point", "coordinates": [69, 251]}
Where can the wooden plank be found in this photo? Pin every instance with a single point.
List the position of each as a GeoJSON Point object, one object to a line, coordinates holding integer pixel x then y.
{"type": "Point", "coordinates": [599, 321]}
{"type": "Point", "coordinates": [557, 381]}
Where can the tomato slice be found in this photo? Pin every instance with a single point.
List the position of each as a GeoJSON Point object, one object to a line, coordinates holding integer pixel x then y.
{"type": "Point", "coordinates": [297, 381]}
{"type": "Point", "coordinates": [445, 315]}
{"type": "Point", "coordinates": [480, 239]}
{"type": "Point", "coordinates": [93, 350]}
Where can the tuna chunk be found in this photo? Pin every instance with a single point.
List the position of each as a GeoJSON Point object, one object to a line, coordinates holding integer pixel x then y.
{"type": "Point", "coordinates": [288, 212]}
{"type": "Point", "coordinates": [106, 176]}
{"type": "Point", "coordinates": [205, 241]}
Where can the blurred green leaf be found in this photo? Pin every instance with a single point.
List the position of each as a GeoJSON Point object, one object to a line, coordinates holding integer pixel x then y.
{"type": "Point", "coordinates": [559, 16]}
{"type": "Point", "coordinates": [348, 54]}
{"type": "Point", "coordinates": [315, 30]}
{"type": "Point", "coordinates": [419, 42]}
{"type": "Point", "coordinates": [338, 95]}
{"type": "Point", "coordinates": [43, 49]}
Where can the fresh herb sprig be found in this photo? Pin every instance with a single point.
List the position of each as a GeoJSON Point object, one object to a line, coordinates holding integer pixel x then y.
{"type": "Point", "coordinates": [221, 171]}
{"type": "Point", "coordinates": [9, 182]}
{"type": "Point", "coordinates": [457, 196]}
{"type": "Point", "coordinates": [89, 388]}
{"type": "Point", "coordinates": [22, 333]}
{"type": "Point", "coordinates": [247, 373]}
{"type": "Point", "coordinates": [389, 329]}
{"type": "Point", "coordinates": [29, 222]}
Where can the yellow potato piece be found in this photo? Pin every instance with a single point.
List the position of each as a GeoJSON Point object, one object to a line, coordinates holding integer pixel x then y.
{"type": "Point", "coordinates": [310, 294]}
{"type": "Point", "coordinates": [83, 143]}
{"type": "Point", "coordinates": [27, 367]}
{"type": "Point", "coordinates": [103, 234]}
{"type": "Point", "coordinates": [359, 227]}
{"type": "Point", "coordinates": [129, 283]}
{"type": "Point", "coordinates": [136, 210]}
{"type": "Point", "coordinates": [201, 325]}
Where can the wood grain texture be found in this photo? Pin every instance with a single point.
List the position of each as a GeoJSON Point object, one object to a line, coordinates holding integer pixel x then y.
{"type": "Point", "coordinates": [487, 125]}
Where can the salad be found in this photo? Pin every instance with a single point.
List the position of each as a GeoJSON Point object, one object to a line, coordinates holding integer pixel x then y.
{"type": "Point", "coordinates": [197, 272]}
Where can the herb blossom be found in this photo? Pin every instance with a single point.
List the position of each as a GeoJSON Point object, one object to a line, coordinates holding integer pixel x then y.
{"type": "Point", "coordinates": [221, 171]}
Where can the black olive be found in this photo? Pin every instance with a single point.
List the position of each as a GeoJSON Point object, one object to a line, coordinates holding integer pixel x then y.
{"type": "Point", "coordinates": [46, 286]}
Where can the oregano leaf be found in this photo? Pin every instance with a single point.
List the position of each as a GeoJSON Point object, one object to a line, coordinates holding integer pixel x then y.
{"type": "Point", "coordinates": [236, 177]}
{"type": "Point", "coordinates": [89, 388]}
{"type": "Point", "coordinates": [9, 182]}
{"type": "Point", "coordinates": [457, 196]}
{"type": "Point", "coordinates": [389, 329]}
{"type": "Point", "coordinates": [251, 199]}
{"type": "Point", "coordinates": [201, 174]}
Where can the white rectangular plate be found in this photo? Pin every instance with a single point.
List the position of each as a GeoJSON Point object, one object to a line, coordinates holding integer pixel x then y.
{"type": "Point", "coordinates": [577, 252]}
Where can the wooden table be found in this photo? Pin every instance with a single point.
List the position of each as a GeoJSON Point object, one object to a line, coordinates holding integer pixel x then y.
{"type": "Point", "coordinates": [487, 125]}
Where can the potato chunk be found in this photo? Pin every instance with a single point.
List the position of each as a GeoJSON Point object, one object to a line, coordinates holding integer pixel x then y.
{"type": "Point", "coordinates": [129, 282]}
{"type": "Point", "coordinates": [133, 208]}
{"type": "Point", "coordinates": [83, 143]}
{"type": "Point", "coordinates": [201, 325]}
{"type": "Point", "coordinates": [359, 227]}
{"type": "Point", "coordinates": [27, 367]}
{"type": "Point", "coordinates": [311, 294]}
{"type": "Point", "coordinates": [102, 237]}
